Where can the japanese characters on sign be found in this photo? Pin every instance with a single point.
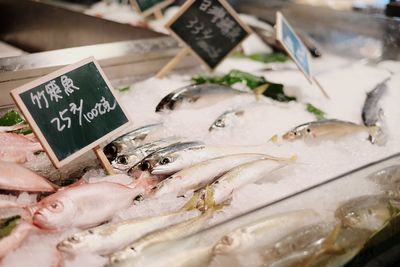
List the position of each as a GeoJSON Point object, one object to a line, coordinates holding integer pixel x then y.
{"type": "Point", "coordinates": [71, 110]}
{"type": "Point", "coordinates": [210, 28]}
{"type": "Point", "coordinates": [293, 45]}
{"type": "Point", "coordinates": [147, 7]}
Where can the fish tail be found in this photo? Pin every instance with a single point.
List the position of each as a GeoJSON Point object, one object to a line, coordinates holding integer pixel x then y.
{"type": "Point", "coordinates": [376, 135]}
{"type": "Point", "coordinates": [194, 201]}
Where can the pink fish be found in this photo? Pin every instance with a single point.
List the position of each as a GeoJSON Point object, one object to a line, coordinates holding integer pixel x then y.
{"type": "Point", "coordinates": [18, 178]}
{"type": "Point", "coordinates": [83, 206]}
{"type": "Point", "coordinates": [15, 238]}
{"type": "Point", "coordinates": [16, 147]}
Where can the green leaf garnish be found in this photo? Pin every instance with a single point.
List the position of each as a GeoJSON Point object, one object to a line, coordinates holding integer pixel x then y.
{"type": "Point", "coordinates": [124, 88]}
{"type": "Point", "coordinates": [7, 225]}
{"type": "Point", "coordinates": [319, 114]}
{"type": "Point", "coordinates": [274, 90]}
{"type": "Point", "coordinates": [11, 118]}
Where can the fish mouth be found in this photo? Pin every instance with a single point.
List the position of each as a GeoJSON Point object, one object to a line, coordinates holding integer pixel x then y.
{"type": "Point", "coordinates": [167, 102]}
{"type": "Point", "coordinates": [64, 246]}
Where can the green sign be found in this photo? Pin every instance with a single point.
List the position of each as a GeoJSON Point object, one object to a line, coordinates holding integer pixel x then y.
{"type": "Point", "coordinates": [210, 28]}
{"type": "Point", "coordinates": [71, 110]}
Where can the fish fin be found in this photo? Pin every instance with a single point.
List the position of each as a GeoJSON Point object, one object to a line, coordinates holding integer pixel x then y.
{"type": "Point", "coordinates": [259, 91]}
{"type": "Point", "coordinates": [193, 201]}
{"type": "Point", "coordinates": [209, 201]}
{"type": "Point", "coordinates": [274, 139]}
{"type": "Point", "coordinates": [376, 135]}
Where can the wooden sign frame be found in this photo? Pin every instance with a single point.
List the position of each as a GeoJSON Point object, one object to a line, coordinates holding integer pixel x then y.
{"type": "Point", "coordinates": [35, 128]}
{"type": "Point", "coordinates": [279, 36]}
{"type": "Point", "coordinates": [231, 12]}
{"type": "Point", "coordinates": [151, 10]}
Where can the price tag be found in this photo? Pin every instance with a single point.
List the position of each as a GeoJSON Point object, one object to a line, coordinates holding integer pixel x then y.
{"type": "Point", "coordinates": [71, 110]}
{"type": "Point", "coordinates": [210, 29]}
{"type": "Point", "coordinates": [146, 7]}
{"type": "Point", "coordinates": [293, 45]}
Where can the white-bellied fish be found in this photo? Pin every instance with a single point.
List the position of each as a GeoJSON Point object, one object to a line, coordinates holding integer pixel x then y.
{"type": "Point", "coordinates": [328, 129]}
{"type": "Point", "coordinates": [388, 179]}
{"type": "Point", "coordinates": [108, 238]}
{"type": "Point", "coordinates": [173, 232]}
{"type": "Point", "coordinates": [129, 140]}
{"type": "Point", "coordinates": [226, 119]}
{"type": "Point", "coordinates": [372, 112]}
{"type": "Point", "coordinates": [204, 173]}
{"type": "Point", "coordinates": [370, 212]}
{"type": "Point", "coordinates": [198, 96]}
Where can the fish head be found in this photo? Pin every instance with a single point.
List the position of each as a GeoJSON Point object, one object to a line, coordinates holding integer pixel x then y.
{"type": "Point", "coordinates": [111, 151]}
{"type": "Point", "coordinates": [218, 124]}
{"type": "Point", "coordinates": [124, 162]}
{"type": "Point", "coordinates": [78, 242]}
{"type": "Point", "coordinates": [122, 255]}
{"type": "Point", "coordinates": [167, 164]}
{"type": "Point", "coordinates": [292, 135]}
{"type": "Point", "coordinates": [54, 212]}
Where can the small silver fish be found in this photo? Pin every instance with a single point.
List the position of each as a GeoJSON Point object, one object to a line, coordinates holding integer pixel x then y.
{"type": "Point", "coordinates": [327, 129]}
{"type": "Point", "coordinates": [367, 212]}
{"type": "Point", "coordinates": [388, 179]}
{"type": "Point", "coordinates": [123, 162]}
{"type": "Point", "coordinates": [372, 113]}
{"type": "Point", "coordinates": [226, 119]}
{"type": "Point", "coordinates": [129, 140]}
{"type": "Point", "coordinates": [198, 96]}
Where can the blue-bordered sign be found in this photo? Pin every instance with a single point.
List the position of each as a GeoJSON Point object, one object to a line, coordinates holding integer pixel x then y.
{"type": "Point", "coordinates": [293, 45]}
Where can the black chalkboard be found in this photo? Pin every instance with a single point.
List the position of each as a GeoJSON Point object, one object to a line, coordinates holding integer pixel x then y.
{"type": "Point", "coordinates": [71, 110]}
{"type": "Point", "coordinates": [146, 6]}
{"type": "Point", "coordinates": [210, 28]}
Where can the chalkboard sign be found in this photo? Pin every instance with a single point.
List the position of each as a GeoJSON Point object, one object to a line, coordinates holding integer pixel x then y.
{"type": "Point", "coordinates": [293, 45]}
{"type": "Point", "coordinates": [71, 110]}
{"type": "Point", "coordinates": [210, 28]}
{"type": "Point", "coordinates": [147, 7]}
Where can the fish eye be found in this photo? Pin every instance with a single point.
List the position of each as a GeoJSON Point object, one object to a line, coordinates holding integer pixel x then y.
{"type": "Point", "coordinates": [56, 206]}
{"type": "Point", "coordinates": [144, 166]}
{"type": "Point", "coordinates": [122, 160]}
{"type": "Point", "coordinates": [165, 161]}
{"type": "Point", "coordinates": [308, 130]}
{"type": "Point", "coordinates": [295, 133]}
{"type": "Point", "coordinates": [219, 123]}
{"type": "Point", "coordinates": [74, 239]}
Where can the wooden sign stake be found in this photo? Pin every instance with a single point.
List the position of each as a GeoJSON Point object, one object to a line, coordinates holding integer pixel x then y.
{"type": "Point", "coordinates": [320, 87]}
{"type": "Point", "coordinates": [103, 160]}
{"type": "Point", "coordinates": [175, 61]}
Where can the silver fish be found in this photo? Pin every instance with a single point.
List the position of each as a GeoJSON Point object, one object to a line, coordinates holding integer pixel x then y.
{"type": "Point", "coordinates": [198, 96]}
{"type": "Point", "coordinates": [123, 162]}
{"type": "Point", "coordinates": [327, 129]}
{"type": "Point", "coordinates": [108, 238]}
{"type": "Point", "coordinates": [166, 234]}
{"type": "Point", "coordinates": [372, 113]}
{"type": "Point", "coordinates": [367, 212]}
{"type": "Point", "coordinates": [226, 119]}
{"type": "Point", "coordinates": [129, 140]}
{"type": "Point", "coordinates": [173, 161]}
{"type": "Point", "coordinates": [203, 173]}
{"type": "Point", "coordinates": [388, 179]}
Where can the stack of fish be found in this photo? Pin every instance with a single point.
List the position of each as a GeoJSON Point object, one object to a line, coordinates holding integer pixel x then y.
{"type": "Point", "coordinates": [206, 176]}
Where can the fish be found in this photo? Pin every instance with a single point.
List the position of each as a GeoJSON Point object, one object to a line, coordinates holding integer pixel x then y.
{"type": "Point", "coordinates": [15, 177]}
{"type": "Point", "coordinates": [15, 147]}
{"type": "Point", "coordinates": [328, 129]}
{"type": "Point", "coordinates": [388, 179]}
{"type": "Point", "coordinates": [173, 232]}
{"type": "Point", "coordinates": [83, 206]}
{"type": "Point", "coordinates": [170, 161]}
{"type": "Point", "coordinates": [372, 113]}
{"type": "Point", "coordinates": [202, 174]}
{"type": "Point", "coordinates": [298, 246]}
{"type": "Point", "coordinates": [108, 238]}
{"type": "Point", "coordinates": [262, 232]}
{"type": "Point", "coordinates": [369, 212]}
{"type": "Point", "coordinates": [220, 191]}
{"type": "Point", "coordinates": [198, 96]}
{"type": "Point", "coordinates": [15, 238]}
{"type": "Point", "coordinates": [178, 253]}
{"type": "Point", "coordinates": [123, 162]}
{"type": "Point", "coordinates": [163, 157]}
{"type": "Point", "coordinates": [225, 120]}
{"type": "Point", "coordinates": [129, 140]}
